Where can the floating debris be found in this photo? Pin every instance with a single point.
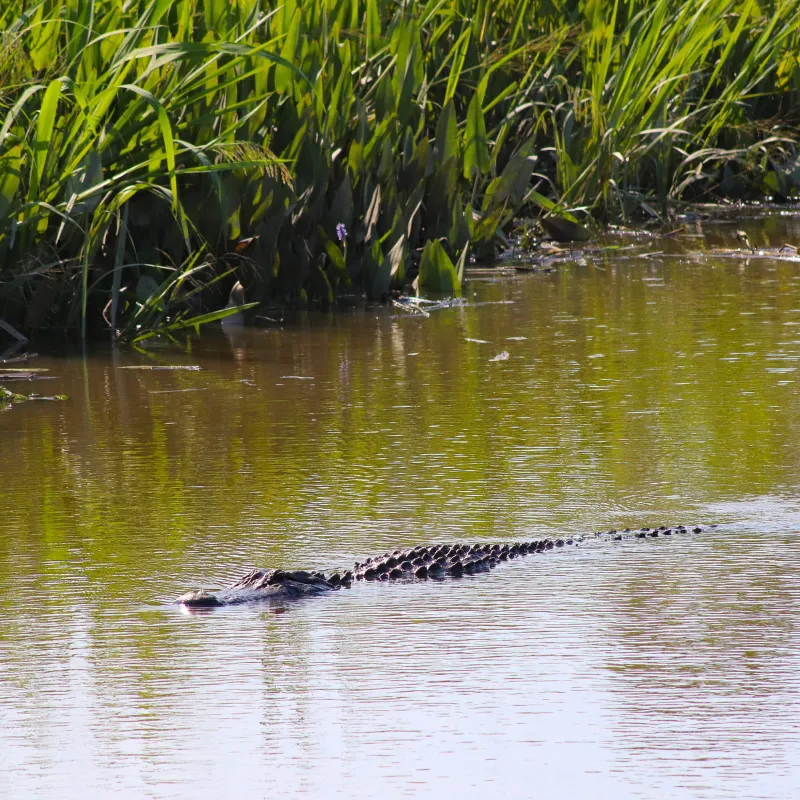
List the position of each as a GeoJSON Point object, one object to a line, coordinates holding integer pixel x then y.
{"type": "Point", "coordinates": [7, 374]}
{"type": "Point", "coordinates": [8, 398]}
{"type": "Point", "coordinates": [154, 367]}
{"type": "Point", "coordinates": [410, 307]}
{"type": "Point", "coordinates": [745, 240]}
{"type": "Point", "coordinates": [501, 356]}
{"type": "Point", "coordinates": [423, 306]}
{"type": "Point", "coordinates": [175, 391]}
{"type": "Point", "coordinates": [477, 341]}
{"type": "Point", "coordinates": [6, 358]}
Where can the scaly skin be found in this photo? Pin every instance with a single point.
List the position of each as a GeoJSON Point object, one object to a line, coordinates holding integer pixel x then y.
{"type": "Point", "coordinates": [413, 564]}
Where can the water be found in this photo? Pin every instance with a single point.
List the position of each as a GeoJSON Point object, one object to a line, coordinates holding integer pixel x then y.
{"type": "Point", "coordinates": [637, 391]}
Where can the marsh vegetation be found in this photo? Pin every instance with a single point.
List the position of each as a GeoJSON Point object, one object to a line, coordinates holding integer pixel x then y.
{"type": "Point", "coordinates": [153, 153]}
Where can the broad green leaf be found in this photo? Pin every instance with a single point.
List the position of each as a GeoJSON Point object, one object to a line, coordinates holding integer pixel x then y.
{"type": "Point", "coordinates": [284, 75]}
{"type": "Point", "coordinates": [418, 166]}
{"type": "Point", "coordinates": [476, 146]}
{"type": "Point", "coordinates": [372, 27]}
{"type": "Point", "coordinates": [9, 179]}
{"type": "Point", "coordinates": [436, 271]}
{"type": "Point", "coordinates": [44, 135]}
{"type": "Point", "coordinates": [407, 71]}
{"type": "Point", "coordinates": [216, 15]}
{"type": "Point", "coordinates": [459, 55]}
{"type": "Point", "coordinates": [335, 255]}
{"type": "Point", "coordinates": [510, 188]}
{"type": "Point", "coordinates": [485, 229]}
{"type": "Point", "coordinates": [459, 228]}
{"type": "Point", "coordinates": [447, 133]}
{"type": "Point", "coordinates": [45, 37]}
{"type": "Point", "coordinates": [443, 192]}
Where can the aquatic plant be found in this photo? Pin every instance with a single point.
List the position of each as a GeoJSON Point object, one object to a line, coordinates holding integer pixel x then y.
{"type": "Point", "coordinates": [8, 398]}
{"type": "Point", "coordinates": [152, 153]}
{"type": "Point", "coordinates": [676, 97]}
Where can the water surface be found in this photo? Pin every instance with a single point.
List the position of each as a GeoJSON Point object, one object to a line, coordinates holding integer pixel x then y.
{"type": "Point", "coordinates": [638, 391]}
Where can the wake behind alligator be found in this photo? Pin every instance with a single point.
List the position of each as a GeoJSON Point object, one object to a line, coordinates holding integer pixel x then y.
{"type": "Point", "coordinates": [415, 564]}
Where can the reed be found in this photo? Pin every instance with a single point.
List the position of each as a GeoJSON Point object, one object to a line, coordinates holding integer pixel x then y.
{"type": "Point", "coordinates": [152, 153]}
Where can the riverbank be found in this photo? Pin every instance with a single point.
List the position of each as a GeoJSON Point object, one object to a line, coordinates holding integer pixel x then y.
{"type": "Point", "coordinates": [153, 155]}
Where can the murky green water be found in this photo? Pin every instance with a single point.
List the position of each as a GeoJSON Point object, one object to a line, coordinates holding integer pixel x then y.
{"type": "Point", "coordinates": [637, 391]}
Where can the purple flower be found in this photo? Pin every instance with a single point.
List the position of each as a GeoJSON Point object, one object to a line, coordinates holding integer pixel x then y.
{"type": "Point", "coordinates": [341, 231]}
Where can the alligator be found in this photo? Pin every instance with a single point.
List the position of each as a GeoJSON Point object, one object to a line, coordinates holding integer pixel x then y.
{"type": "Point", "coordinates": [414, 564]}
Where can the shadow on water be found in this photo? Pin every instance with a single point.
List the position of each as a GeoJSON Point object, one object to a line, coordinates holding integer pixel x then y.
{"type": "Point", "coordinates": [637, 391]}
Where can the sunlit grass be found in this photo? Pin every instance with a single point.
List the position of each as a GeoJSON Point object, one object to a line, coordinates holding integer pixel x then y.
{"type": "Point", "coordinates": [149, 151]}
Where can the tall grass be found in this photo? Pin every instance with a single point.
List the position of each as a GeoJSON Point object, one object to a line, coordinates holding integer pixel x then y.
{"type": "Point", "coordinates": [673, 96]}
{"type": "Point", "coordinates": [150, 150]}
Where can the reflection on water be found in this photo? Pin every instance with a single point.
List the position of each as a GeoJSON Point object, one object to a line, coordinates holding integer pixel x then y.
{"type": "Point", "coordinates": [637, 391]}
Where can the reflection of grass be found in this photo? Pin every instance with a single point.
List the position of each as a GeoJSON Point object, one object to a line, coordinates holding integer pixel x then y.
{"type": "Point", "coordinates": [149, 150]}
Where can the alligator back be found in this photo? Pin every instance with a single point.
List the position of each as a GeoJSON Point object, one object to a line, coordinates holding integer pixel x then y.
{"type": "Point", "coordinates": [413, 564]}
